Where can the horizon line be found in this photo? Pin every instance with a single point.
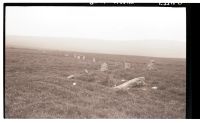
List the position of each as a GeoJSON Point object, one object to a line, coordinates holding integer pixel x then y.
{"type": "Point", "coordinates": [63, 37]}
{"type": "Point", "coordinates": [62, 50]}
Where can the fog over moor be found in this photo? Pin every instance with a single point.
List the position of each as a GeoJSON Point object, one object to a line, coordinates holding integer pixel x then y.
{"type": "Point", "coordinates": [143, 31]}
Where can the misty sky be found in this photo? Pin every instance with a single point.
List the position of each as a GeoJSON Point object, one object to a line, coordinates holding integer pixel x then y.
{"type": "Point", "coordinates": [113, 24]}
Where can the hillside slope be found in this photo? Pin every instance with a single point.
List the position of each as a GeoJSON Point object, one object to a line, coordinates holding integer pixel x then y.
{"type": "Point", "coordinates": [36, 86]}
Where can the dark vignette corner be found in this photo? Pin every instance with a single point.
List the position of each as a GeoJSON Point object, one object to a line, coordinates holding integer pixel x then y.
{"type": "Point", "coordinates": [4, 37]}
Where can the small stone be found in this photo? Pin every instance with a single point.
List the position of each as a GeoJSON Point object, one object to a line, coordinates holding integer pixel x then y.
{"type": "Point", "coordinates": [123, 80]}
{"type": "Point", "coordinates": [154, 88]}
{"type": "Point", "coordinates": [70, 76]}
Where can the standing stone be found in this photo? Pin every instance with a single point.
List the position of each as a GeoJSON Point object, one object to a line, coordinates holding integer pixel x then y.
{"type": "Point", "coordinates": [78, 57]}
{"type": "Point", "coordinates": [151, 65]}
{"type": "Point", "coordinates": [74, 55]}
{"type": "Point", "coordinates": [104, 67]}
{"type": "Point", "coordinates": [127, 65]}
{"type": "Point", "coordinates": [94, 60]}
{"type": "Point", "coordinates": [86, 71]}
{"type": "Point", "coordinates": [83, 57]}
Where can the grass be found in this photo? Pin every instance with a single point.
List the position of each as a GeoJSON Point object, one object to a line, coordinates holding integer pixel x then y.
{"type": "Point", "coordinates": [36, 86]}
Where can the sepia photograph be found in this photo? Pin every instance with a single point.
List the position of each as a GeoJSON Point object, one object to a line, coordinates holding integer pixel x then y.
{"type": "Point", "coordinates": [85, 62]}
